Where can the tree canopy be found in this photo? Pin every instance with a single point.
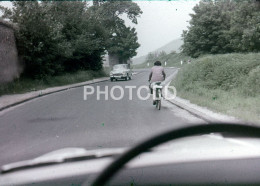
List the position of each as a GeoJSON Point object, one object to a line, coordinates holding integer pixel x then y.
{"type": "Point", "coordinates": [119, 39]}
{"type": "Point", "coordinates": [220, 26]}
{"type": "Point", "coordinates": [58, 36]}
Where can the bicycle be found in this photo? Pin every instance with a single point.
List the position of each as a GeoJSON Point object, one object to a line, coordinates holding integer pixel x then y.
{"type": "Point", "coordinates": [157, 88]}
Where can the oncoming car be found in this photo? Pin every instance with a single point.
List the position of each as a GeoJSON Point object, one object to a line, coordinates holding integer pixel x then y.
{"type": "Point", "coordinates": [121, 71]}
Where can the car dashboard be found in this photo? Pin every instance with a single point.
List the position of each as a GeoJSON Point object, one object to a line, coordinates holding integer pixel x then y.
{"type": "Point", "coordinates": [190, 161]}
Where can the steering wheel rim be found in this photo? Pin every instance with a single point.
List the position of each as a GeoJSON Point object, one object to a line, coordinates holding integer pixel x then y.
{"type": "Point", "coordinates": [114, 167]}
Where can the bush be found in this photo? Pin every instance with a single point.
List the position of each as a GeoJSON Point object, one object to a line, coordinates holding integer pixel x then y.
{"type": "Point", "coordinates": [224, 72]}
{"type": "Point", "coordinates": [219, 27]}
{"type": "Point", "coordinates": [252, 83]}
{"type": "Point", "coordinates": [227, 83]}
{"type": "Point", "coordinates": [55, 37]}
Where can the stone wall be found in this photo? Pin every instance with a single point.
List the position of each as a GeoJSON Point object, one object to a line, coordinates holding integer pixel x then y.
{"type": "Point", "coordinates": [9, 65]}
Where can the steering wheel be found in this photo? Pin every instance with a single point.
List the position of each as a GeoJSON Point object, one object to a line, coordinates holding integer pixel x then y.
{"type": "Point", "coordinates": [114, 167]}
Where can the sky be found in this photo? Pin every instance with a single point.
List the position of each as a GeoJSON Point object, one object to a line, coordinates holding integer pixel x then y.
{"type": "Point", "coordinates": [160, 23]}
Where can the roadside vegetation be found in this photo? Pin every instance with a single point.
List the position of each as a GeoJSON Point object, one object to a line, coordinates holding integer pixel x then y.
{"type": "Point", "coordinates": [172, 60]}
{"type": "Point", "coordinates": [58, 39]}
{"type": "Point", "coordinates": [25, 84]}
{"type": "Point", "coordinates": [227, 83]}
{"type": "Point", "coordinates": [219, 27]}
{"type": "Point", "coordinates": [223, 38]}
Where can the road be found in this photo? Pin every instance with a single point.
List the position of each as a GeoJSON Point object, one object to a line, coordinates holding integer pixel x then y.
{"type": "Point", "coordinates": [65, 119]}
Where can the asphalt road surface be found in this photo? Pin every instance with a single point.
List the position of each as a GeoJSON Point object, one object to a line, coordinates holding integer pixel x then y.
{"type": "Point", "coordinates": [65, 119]}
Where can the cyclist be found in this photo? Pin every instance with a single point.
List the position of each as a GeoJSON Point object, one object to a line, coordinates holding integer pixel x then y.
{"type": "Point", "coordinates": [157, 75]}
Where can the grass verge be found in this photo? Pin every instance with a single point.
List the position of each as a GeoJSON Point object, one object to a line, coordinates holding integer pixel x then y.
{"type": "Point", "coordinates": [228, 83]}
{"type": "Point", "coordinates": [23, 84]}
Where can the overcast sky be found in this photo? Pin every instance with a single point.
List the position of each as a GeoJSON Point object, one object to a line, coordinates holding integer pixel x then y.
{"type": "Point", "coordinates": [160, 23]}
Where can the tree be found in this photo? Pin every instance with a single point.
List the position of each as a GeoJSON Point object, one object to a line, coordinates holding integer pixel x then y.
{"type": "Point", "coordinates": [123, 44]}
{"type": "Point", "coordinates": [37, 37]}
{"type": "Point", "coordinates": [54, 37]}
{"type": "Point", "coordinates": [151, 57]}
{"type": "Point", "coordinates": [82, 33]}
{"type": "Point", "coordinates": [246, 16]}
{"type": "Point", "coordinates": [222, 27]}
{"type": "Point", "coordinates": [207, 29]}
{"type": "Point", "coordinates": [120, 41]}
{"type": "Point", "coordinates": [156, 56]}
{"type": "Point", "coordinates": [162, 54]}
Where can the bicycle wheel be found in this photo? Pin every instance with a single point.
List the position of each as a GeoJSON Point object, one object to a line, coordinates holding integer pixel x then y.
{"type": "Point", "coordinates": [158, 105]}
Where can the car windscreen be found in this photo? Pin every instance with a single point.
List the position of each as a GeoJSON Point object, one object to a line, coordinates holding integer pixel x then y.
{"type": "Point", "coordinates": [79, 74]}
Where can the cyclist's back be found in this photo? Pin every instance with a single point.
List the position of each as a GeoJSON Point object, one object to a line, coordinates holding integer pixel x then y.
{"type": "Point", "coordinates": [157, 73]}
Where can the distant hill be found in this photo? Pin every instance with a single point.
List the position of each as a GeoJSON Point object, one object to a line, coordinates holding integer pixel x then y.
{"type": "Point", "coordinates": [139, 60]}
{"type": "Point", "coordinates": [171, 46]}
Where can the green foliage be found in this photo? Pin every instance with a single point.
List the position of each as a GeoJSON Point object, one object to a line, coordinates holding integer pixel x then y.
{"type": "Point", "coordinates": [25, 84]}
{"type": "Point", "coordinates": [156, 56]}
{"type": "Point", "coordinates": [124, 44]}
{"type": "Point", "coordinates": [225, 72]}
{"type": "Point", "coordinates": [222, 27]}
{"type": "Point", "coordinates": [252, 83]}
{"type": "Point", "coordinates": [37, 44]}
{"type": "Point", "coordinates": [80, 32]}
{"type": "Point", "coordinates": [228, 83]}
{"type": "Point", "coordinates": [118, 39]}
{"type": "Point", "coordinates": [247, 17]}
{"type": "Point", "coordinates": [173, 59]}
{"type": "Point", "coordinates": [151, 57]}
{"type": "Point", "coordinates": [56, 37]}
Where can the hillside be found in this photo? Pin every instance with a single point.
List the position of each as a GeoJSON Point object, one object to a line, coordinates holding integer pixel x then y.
{"type": "Point", "coordinates": [173, 60]}
{"type": "Point", "coordinates": [139, 60]}
{"type": "Point", "coordinates": [171, 46]}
